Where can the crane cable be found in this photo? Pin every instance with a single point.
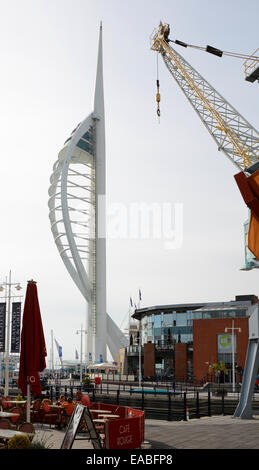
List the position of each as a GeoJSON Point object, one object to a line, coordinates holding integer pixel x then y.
{"type": "Point", "coordinates": [157, 90]}
{"type": "Point", "coordinates": [215, 51]}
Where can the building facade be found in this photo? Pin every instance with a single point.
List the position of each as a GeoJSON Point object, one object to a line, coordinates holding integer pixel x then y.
{"type": "Point", "coordinates": [182, 341]}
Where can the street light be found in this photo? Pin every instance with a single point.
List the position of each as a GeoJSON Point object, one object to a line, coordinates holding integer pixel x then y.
{"type": "Point", "coordinates": [233, 352]}
{"type": "Point", "coordinates": [8, 285]}
{"type": "Point", "coordinates": [81, 351]}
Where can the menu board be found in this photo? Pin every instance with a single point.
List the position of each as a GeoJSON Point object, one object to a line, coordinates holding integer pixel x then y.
{"type": "Point", "coordinates": [72, 427]}
{"type": "Point", "coordinates": [16, 327]}
{"type": "Point", "coordinates": [81, 415]}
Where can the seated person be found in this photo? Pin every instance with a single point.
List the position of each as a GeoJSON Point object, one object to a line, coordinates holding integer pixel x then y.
{"type": "Point", "coordinates": [83, 398]}
{"type": "Point", "coordinates": [68, 407]}
{"type": "Point", "coordinates": [66, 413]}
{"type": "Point", "coordinates": [61, 400]}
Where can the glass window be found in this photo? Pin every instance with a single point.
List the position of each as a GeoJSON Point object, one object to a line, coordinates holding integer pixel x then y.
{"type": "Point", "coordinates": [85, 146]}
{"type": "Point", "coordinates": [157, 332]}
{"type": "Point", "coordinates": [181, 319]}
{"type": "Point", "coordinates": [226, 358]}
{"type": "Point", "coordinates": [196, 315]}
{"type": "Point", "coordinates": [157, 321]}
{"type": "Point", "coordinates": [168, 319]}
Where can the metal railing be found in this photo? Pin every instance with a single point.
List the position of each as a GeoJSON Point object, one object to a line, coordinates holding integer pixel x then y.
{"type": "Point", "coordinates": [171, 405]}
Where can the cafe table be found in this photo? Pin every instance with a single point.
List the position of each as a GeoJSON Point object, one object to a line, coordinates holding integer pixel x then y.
{"type": "Point", "coordinates": [100, 411]}
{"type": "Point", "coordinates": [17, 402]}
{"type": "Point", "coordinates": [6, 414]}
{"type": "Point", "coordinates": [109, 416]}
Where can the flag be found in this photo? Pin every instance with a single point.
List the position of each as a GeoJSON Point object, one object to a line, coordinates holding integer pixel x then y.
{"type": "Point", "coordinates": [131, 303]}
{"type": "Point", "coordinates": [101, 358]}
{"type": "Point", "coordinates": [139, 294]}
{"type": "Point", "coordinates": [77, 357]}
{"type": "Point", "coordinates": [59, 348]}
{"type": "Point", "coordinates": [249, 188]}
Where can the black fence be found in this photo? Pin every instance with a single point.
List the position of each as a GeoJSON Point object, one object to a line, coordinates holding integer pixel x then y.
{"type": "Point", "coordinates": [170, 405]}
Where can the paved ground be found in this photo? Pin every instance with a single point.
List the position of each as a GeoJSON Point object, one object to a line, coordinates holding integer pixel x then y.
{"type": "Point", "coordinates": [218, 432]}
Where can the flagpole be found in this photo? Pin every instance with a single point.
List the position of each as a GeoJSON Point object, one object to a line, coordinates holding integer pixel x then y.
{"type": "Point", "coordinates": [81, 351]}
{"type": "Point", "coordinates": [52, 354]}
{"type": "Point", "coordinates": [140, 343]}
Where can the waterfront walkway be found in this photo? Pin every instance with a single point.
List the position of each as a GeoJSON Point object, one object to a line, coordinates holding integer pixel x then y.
{"type": "Point", "coordinates": [216, 432]}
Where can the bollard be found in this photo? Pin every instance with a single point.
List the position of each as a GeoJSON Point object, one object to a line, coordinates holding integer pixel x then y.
{"type": "Point", "coordinates": [187, 413]}
{"type": "Point", "coordinates": [145, 445]}
{"type": "Point", "coordinates": [209, 404]}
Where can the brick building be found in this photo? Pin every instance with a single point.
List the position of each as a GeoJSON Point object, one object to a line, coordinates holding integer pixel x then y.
{"type": "Point", "coordinates": [183, 340]}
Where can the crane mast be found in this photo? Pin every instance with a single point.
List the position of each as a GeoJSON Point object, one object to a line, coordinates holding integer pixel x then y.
{"type": "Point", "coordinates": [233, 134]}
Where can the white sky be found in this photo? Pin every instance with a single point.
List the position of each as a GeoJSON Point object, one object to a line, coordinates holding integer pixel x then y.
{"type": "Point", "coordinates": [48, 65]}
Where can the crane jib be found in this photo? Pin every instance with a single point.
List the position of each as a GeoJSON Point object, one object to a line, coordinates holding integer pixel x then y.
{"type": "Point", "coordinates": [233, 134]}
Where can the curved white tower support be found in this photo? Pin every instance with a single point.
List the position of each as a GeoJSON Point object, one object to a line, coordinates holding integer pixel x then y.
{"type": "Point", "coordinates": [77, 216]}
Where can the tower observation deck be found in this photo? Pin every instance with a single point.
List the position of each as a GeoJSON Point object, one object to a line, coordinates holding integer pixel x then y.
{"type": "Point", "coordinates": [78, 218]}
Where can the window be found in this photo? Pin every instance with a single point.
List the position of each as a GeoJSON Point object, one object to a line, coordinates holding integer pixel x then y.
{"type": "Point", "coordinates": [168, 319]}
{"type": "Point", "coordinates": [157, 321]}
{"type": "Point", "coordinates": [181, 319]}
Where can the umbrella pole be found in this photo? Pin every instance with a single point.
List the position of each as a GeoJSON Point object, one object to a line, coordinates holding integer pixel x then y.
{"type": "Point", "coordinates": [28, 411]}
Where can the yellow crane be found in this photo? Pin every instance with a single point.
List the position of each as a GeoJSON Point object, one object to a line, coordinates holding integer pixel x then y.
{"type": "Point", "coordinates": [233, 134]}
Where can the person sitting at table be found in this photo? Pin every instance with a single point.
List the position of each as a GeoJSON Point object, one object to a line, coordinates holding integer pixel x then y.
{"type": "Point", "coordinates": [68, 407]}
{"type": "Point", "coordinates": [61, 400]}
{"type": "Point", "coordinates": [83, 398]}
{"type": "Point", "coordinates": [67, 412]}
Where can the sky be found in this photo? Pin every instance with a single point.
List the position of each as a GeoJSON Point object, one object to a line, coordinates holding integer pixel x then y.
{"type": "Point", "coordinates": [48, 63]}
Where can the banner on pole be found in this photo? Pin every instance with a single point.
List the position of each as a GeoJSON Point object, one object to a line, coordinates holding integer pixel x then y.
{"type": "Point", "coordinates": [59, 349]}
{"type": "Point", "coordinates": [16, 327]}
{"type": "Point", "coordinates": [2, 326]}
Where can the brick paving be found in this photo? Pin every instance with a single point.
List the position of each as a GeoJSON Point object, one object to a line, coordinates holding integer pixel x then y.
{"type": "Point", "coordinates": [216, 432]}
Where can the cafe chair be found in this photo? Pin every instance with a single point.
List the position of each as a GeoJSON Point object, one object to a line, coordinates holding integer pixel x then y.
{"type": "Point", "coordinates": [5, 424]}
{"type": "Point", "coordinates": [50, 417]}
{"type": "Point", "coordinates": [16, 420]}
{"type": "Point", "coordinates": [35, 410]}
{"type": "Point", "coordinates": [28, 428]}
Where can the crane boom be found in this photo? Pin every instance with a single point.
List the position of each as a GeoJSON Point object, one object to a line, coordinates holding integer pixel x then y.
{"type": "Point", "coordinates": [233, 134]}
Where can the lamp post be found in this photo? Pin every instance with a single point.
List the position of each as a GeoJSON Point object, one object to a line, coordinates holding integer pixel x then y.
{"type": "Point", "coordinates": [81, 351]}
{"type": "Point", "coordinates": [232, 329]}
{"type": "Point", "coordinates": [139, 353]}
{"type": "Point", "coordinates": [8, 297]}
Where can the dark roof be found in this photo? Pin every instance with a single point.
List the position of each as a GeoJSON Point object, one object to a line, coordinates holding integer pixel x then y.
{"type": "Point", "coordinates": [240, 300]}
{"type": "Point", "coordinates": [140, 312]}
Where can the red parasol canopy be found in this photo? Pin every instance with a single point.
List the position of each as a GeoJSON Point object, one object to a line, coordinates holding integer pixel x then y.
{"type": "Point", "coordinates": [33, 348]}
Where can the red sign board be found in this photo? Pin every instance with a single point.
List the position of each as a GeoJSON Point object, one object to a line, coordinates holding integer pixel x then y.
{"type": "Point", "coordinates": [124, 433]}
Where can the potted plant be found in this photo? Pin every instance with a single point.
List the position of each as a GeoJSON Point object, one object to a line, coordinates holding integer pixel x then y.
{"type": "Point", "coordinates": [87, 382]}
{"type": "Point", "coordinates": [218, 368]}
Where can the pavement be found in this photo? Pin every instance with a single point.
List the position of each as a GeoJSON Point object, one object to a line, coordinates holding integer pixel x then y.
{"type": "Point", "coordinates": [215, 432]}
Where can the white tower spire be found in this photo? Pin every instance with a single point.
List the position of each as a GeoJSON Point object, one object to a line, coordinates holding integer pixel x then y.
{"type": "Point", "coordinates": [77, 214]}
{"type": "Point", "coordinates": [100, 212]}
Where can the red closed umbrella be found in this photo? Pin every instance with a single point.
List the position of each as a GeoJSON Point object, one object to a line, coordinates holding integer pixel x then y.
{"type": "Point", "coordinates": [33, 348]}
